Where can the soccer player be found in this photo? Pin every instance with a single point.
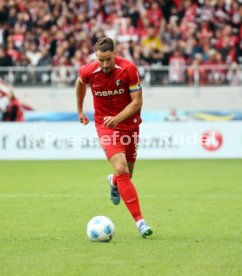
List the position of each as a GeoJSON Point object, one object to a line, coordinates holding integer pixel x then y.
{"type": "Point", "coordinates": [117, 95]}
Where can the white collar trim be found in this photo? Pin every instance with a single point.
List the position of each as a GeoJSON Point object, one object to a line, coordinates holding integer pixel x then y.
{"type": "Point", "coordinates": [117, 66]}
{"type": "Point", "coordinates": [99, 69]}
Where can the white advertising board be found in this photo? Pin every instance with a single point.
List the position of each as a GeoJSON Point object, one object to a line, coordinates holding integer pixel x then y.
{"type": "Point", "coordinates": [51, 141]}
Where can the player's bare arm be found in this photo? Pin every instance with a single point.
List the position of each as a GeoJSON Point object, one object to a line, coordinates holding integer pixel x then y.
{"type": "Point", "coordinates": [80, 95]}
{"type": "Point", "coordinates": [133, 107]}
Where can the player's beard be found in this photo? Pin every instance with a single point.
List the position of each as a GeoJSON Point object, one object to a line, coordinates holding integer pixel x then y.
{"type": "Point", "coordinates": [107, 70]}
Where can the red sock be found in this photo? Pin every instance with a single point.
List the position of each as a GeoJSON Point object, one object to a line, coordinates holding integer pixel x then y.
{"type": "Point", "coordinates": [115, 180]}
{"type": "Point", "coordinates": [129, 195]}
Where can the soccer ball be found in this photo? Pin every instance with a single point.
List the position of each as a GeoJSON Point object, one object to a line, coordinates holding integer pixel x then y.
{"type": "Point", "coordinates": [100, 229]}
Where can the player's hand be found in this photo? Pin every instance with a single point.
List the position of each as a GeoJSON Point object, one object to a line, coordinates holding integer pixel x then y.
{"type": "Point", "coordinates": [110, 121]}
{"type": "Point", "coordinates": [83, 119]}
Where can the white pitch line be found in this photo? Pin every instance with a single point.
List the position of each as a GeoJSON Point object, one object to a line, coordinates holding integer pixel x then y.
{"type": "Point", "coordinates": [50, 195]}
{"type": "Point", "coordinates": [105, 195]}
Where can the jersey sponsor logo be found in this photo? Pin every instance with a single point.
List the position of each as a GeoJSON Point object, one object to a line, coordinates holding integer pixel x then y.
{"type": "Point", "coordinates": [108, 92]}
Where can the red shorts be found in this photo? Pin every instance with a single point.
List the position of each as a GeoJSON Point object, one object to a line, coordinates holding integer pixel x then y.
{"type": "Point", "coordinates": [116, 141]}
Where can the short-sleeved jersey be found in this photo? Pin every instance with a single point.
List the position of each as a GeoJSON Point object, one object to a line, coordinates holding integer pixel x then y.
{"type": "Point", "coordinates": [111, 92]}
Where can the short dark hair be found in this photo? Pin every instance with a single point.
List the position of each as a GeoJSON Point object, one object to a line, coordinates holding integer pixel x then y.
{"type": "Point", "coordinates": [104, 44]}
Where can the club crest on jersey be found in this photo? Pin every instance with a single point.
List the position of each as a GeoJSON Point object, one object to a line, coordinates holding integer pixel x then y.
{"type": "Point", "coordinates": [118, 82]}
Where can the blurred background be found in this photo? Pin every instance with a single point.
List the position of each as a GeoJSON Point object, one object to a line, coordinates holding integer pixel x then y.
{"type": "Point", "coordinates": [189, 56]}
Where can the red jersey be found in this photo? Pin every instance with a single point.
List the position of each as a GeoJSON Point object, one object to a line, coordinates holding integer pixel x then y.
{"type": "Point", "coordinates": [111, 92]}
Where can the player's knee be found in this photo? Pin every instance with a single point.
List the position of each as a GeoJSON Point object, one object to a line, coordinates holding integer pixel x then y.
{"type": "Point", "coordinates": [121, 169]}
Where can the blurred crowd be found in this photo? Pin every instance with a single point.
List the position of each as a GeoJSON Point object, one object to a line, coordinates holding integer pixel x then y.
{"type": "Point", "coordinates": [174, 33]}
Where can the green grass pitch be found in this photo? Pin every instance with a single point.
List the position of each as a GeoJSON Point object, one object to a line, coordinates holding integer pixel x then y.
{"type": "Point", "coordinates": [194, 207]}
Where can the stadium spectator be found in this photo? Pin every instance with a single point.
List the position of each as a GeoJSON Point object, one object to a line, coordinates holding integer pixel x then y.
{"type": "Point", "coordinates": [234, 75]}
{"type": "Point", "coordinates": [151, 42]}
{"type": "Point", "coordinates": [46, 62]}
{"type": "Point", "coordinates": [126, 31]}
{"type": "Point", "coordinates": [33, 54]}
{"type": "Point", "coordinates": [209, 65]}
{"type": "Point", "coordinates": [12, 51]}
{"type": "Point", "coordinates": [5, 59]}
{"type": "Point", "coordinates": [196, 72]}
{"type": "Point", "coordinates": [45, 58]}
{"type": "Point", "coordinates": [219, 72]}
{"type": "Point", "coordinates": [177, 64]}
